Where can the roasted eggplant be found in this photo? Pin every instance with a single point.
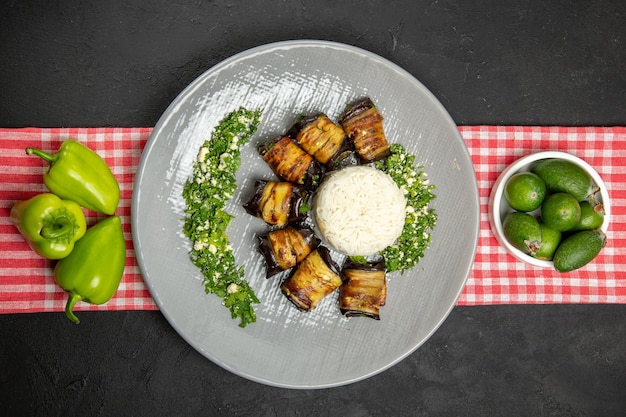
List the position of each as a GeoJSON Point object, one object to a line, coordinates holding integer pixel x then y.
{"type": "Point", "coordinates": [291, 163]}
{"type": "Point", "coordinates": [325, 140]}
{"type": "Point", "coordinates": [364, 126]}
{"type": "Point", "coordinates": [316, 277]}
{"type": "Point", "coordinates": [364, 289]}
{"type": "Point", "coordinates": [285, 248]}
{"type": "Point", "coordinates": [278, 202]}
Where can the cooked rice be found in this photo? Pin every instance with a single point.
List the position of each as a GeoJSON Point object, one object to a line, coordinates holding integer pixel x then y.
{"type": "Point", "coordinates": [359, 210]}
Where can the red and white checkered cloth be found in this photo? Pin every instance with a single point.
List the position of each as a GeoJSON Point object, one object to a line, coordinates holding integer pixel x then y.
{"type": "Point", "coordinates": [26, 280]}
{"type": "Point", "coordinates": [496, 277]}
{"type": "Point", "coordinates": [27, 284]}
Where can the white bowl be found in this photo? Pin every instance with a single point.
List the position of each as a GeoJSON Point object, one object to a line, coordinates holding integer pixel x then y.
{"type": "Point", "coordinates": [499, 208]}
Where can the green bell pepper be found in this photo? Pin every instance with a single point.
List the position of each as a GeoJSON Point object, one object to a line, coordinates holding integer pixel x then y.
{"type": "Point", "coordinates": [49, 224]}
{"type": "Point", "coordinates": [93, 271]}
{"type": "Point", "coordinates": [79, 174]}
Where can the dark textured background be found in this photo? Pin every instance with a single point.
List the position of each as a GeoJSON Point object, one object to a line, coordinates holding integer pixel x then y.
{"type": "Point", "coordinates": [120, 63]}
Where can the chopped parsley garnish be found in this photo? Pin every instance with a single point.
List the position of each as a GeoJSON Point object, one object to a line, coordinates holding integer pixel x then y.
{"type": "Point", "coordinates": [420, 219]}
{"type": "Point", "coordinates": [212, 184]}
{"type": "Point", "coordinates": [361, 260]}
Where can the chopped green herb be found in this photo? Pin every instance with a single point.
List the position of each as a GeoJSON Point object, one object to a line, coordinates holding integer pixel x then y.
{"type": "Point", "coordinates": [420, 218]}
{"type": "Point", "coordinates": [305, 208]}
{"type": "Point", "coordinates": [206, 193]}
{"type": "Point", "coordinates": [362, 260]}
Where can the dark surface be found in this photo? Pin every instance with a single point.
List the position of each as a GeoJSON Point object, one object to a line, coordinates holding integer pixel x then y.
{"type": "Point", "coordinates": [120, 63]}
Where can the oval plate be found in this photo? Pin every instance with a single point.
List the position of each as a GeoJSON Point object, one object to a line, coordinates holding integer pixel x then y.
{"type": "Point", "coordinates": [285, 347]}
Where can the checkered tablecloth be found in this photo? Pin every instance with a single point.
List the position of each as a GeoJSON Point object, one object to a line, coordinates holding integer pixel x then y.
{"type": "Point", "coordinates": [27, 284]}
{"type": "Point", "coordinates": [496, 277]}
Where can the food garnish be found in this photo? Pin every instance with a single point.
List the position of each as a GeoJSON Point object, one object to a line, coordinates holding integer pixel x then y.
{"type": "Point", "coordinates": [420, 218]}
{"type": "Point", "coordinates": [206, 194]}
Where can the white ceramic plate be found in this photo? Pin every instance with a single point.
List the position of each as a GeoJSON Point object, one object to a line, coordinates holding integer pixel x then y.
{"type": "Point", "coordinates": [285, 347]}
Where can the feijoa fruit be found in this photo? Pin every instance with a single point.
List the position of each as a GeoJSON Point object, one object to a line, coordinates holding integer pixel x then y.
{"type": "Point", "coordinates": [522, 231]}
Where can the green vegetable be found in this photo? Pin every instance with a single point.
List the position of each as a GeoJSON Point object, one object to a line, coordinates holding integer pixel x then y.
{"type": "Point", "coordinates": [50, 225]}
{"type": "Point", "coordinates": [359, 260]}
{"type": "Point", "coordinates": [420, 218]}
{"type": "Point", "coordinates": [206, 221]}
{"type": "Point", "coordinates": [93, 271]}
{"type": "Point", "coordinates": [79, 174]}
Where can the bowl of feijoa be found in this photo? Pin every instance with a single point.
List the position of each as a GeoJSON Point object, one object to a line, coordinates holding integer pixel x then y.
{"type": "Point", "coordinates": [550, 209]}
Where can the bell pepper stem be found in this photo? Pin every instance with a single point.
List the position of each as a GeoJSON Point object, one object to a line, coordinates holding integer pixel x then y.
{"type": "Point", "coordinates": [71, 301]}
{"type": "Point", "coordinates": [62, 226]}
{"type": "Point", "coordinates": [43, 155]}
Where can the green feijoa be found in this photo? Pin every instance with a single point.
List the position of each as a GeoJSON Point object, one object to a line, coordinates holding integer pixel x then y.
{"type": "Point", "coordinates": [564, 176]}
{"type": "Point", "coordinates": [560, 211]}
{"type": "Point", "coordinates": [578, 249]}
{"type": "Point", "coordinates": [550, 239]}
{"type": "Point", "coordinates": [591, 216]}
{"type": "Point", "coordinates": [522, 231]}
{"type": "Point", "coordinates": [524, 191]}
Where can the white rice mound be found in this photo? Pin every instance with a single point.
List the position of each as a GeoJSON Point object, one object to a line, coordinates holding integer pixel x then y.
{"type": "Point", "coordinates": [359, 210]}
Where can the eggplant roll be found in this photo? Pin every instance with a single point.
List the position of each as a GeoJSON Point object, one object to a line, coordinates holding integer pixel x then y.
{"type": "Point", "coordinates": [325, 140]}
{"type": "Point", "coordinates": [277, 203]}
{"type": "Point", "coordinates": [364, 289]}
{"type": "Point", "coordinates": [291, 163]}
{"type": "Point", "coordinates": [315, 278]}
{"type": "Point", "coordinates": [364, 126]}
{"type": "Point", "coordinates": [285, 248]}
